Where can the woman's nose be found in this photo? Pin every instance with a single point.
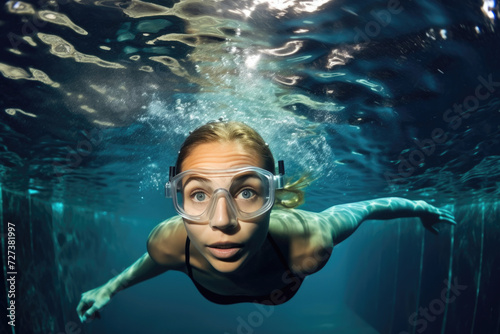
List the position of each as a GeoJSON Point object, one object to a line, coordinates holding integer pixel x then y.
{"type": "Point", "coordinates": [223, 217]}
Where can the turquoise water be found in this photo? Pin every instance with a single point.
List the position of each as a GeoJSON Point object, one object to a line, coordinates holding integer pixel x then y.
{"type": "Point", "coordinates": [374, 98]}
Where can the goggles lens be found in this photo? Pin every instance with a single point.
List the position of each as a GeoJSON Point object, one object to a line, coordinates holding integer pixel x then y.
{"type": "Point", "coordinates": [248, 192]}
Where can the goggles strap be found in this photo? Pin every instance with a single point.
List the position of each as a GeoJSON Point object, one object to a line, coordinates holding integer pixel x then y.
{"type": "Point", "coordinates": [279, 180]}
{"type": "Point", "coordinates": [281, 167]}
{"type": "Point", "coordinates": [171, 173]}
{"type": "Point", "coordinates": [168, 185]}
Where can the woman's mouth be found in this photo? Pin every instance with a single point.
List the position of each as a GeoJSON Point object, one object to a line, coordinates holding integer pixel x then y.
{"type": "Point", "coordinates": [224, 250]}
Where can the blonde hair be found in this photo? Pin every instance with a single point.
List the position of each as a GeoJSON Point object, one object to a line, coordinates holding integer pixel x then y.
{"type": "Point", "coordinates": [231, 131]}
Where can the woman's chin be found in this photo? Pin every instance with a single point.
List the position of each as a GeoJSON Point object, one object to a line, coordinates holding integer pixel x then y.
{"type": "Point", "coordinates": [227, 266]}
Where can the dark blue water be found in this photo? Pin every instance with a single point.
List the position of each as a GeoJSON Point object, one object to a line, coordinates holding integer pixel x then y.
{"type": "Point", "coordinates": [373, 98]}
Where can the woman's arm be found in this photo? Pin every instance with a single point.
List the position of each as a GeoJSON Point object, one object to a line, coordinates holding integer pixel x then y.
{"type": "Point", "coordinates": [345, 219]}
{"type": "Point", "coordinates": [94, 300]}
{"type": "Point", "coordinates": [149, 265]}
{"type": "Point", "coordinates": [142, 269]}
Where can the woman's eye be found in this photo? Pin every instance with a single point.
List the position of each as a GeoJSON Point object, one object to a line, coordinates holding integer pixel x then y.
{"type": "Point", "coordinates": [199, 196]}
{"type": "Point", "coordinates": [247, 193]}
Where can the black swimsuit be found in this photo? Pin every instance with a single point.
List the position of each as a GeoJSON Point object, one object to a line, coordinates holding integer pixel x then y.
{"type": "Point", "coordinates": [278, 296]}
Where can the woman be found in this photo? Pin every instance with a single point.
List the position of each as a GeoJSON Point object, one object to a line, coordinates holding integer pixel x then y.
{"type": "Point", "coordinates": [227, 239]}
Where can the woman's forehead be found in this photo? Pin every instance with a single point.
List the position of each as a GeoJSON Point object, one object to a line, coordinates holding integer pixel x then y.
{"type": "Point", "coordinates": [216, 155]}
{"type": "Point", "coordinates": [200, 178]}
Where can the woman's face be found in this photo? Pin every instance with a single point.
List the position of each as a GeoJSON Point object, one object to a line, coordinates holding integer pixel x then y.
{"type": "Point", "coordinates": [241, 239]}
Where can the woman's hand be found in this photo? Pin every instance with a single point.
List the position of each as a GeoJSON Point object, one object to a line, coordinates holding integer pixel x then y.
{"type": "Point", "coordinates": [430, 215]}
{"type": "Point", "coordinates": [92, 301]}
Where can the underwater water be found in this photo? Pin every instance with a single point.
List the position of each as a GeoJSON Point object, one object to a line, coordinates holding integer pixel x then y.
{"type": "Point", "coordinates": [373, 98]}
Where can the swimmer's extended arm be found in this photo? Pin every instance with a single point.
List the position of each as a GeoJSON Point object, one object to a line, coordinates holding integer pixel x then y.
{"type": "Point", "coordinates": [142, 269]}
{"type": "Point", "coordinates": [345, 219]}
{"type": "Point", "coordinates": [94, 300]}
{"type": "Point", "coordinates": [149, 265]}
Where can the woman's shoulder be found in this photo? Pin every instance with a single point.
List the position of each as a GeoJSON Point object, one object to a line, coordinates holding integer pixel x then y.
{"type": "Point", "coordinates": [166, 243]}
{"type": "Point", "coordinates": [299, 224]}
{"type": "Point", "coordinates": [305, 237]}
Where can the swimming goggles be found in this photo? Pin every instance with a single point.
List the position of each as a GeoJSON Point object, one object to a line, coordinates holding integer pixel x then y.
{"type": "Point", "coordinates": [248, 191]}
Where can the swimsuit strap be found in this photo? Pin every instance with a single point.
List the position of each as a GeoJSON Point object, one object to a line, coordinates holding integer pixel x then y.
{"type": "Point", "coordinates": [188, 265]}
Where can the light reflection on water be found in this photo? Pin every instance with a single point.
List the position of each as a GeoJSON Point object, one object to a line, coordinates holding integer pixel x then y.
{"type": "Point", "coordinates": [343, 90]}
